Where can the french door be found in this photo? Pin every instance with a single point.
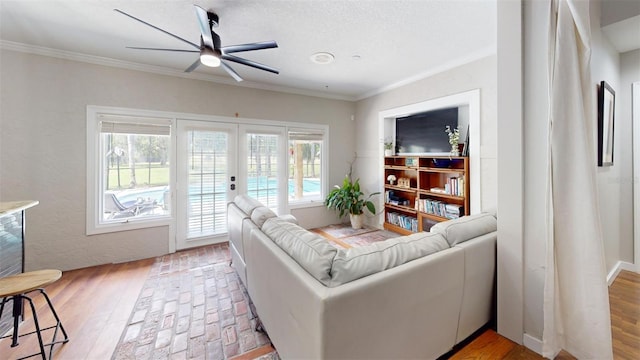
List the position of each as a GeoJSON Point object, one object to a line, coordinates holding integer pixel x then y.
{"type": "Point", "coordinates": [263, 164]}
{"type": "Point", "coordinates": [206, 181]}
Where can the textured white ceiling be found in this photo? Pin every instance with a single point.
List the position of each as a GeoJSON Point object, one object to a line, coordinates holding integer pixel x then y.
{"type": "Point", "coordinates": [396, 40]}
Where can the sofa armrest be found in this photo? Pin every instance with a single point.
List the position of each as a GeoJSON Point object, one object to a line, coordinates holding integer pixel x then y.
{"type": "Point", "coordinates": [288, 300]}
{"type": "Point", "coordinates": [479, 283]}
{"type": "Point", "coordinates": [235, 218]}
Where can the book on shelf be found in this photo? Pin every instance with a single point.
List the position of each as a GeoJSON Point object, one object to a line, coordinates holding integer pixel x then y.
{"type": "Point", "coordinates": [439, 208]}
{"type": "Point", "coordinates": [403, 221]}
{"type": "Point", "coordinates": [455, 186]}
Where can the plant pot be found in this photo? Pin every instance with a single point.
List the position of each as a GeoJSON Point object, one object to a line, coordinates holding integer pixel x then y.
{"type": "Point", "coordinates": [388, 152]}
{"type": "Point", "coordinates": [455, 150]}
{"type": "Point", "coordinates": [356, 221]}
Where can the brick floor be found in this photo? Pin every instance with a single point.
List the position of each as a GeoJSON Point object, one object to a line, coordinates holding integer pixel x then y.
{"type": "Point", "coordinates": [192, 306]}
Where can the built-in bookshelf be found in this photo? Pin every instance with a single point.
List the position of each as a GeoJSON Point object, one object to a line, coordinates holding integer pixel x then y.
{"type": "Point", "coordinates": [421, 191]}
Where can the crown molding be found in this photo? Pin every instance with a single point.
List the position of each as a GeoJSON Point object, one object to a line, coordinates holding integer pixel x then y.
{"type": "Point", "coordinates": [161, 70]}
{"type": "Point", "coordinates": [471, 57]}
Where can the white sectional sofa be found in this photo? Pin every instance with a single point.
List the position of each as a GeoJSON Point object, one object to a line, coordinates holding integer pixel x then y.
{"type": "Point", "coordinates": [411, 297]}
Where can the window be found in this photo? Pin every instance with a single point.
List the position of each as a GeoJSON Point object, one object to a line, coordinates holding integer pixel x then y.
{"type": "Point", "coordinates": [130, 169]}
{"type": "Point", "coordinates": [306, 165]}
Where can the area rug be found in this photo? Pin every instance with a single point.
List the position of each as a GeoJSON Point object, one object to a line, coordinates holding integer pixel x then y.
{"type": "Point", "coordinates": [342, 236]}
{"type": "Point", "coordinates": [193, 306]}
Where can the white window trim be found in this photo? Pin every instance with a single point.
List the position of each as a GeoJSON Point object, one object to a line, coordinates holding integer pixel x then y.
{"type": "Point", "coordinates": [324, 166]}
{"type": "Point", "coordinates": [94, 180]}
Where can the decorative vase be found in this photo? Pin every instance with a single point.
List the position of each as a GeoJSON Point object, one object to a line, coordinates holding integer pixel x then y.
{"type": "Point", "coordinates": [388, 152]}
{"type": "Point", "coordinates": [356, 221]}
{"type": "Point", "coordinates": [454, 150]}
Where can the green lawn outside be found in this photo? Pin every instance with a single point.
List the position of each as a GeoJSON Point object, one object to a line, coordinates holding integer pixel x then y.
{"type": "Point", "coordinates": [159, 176]}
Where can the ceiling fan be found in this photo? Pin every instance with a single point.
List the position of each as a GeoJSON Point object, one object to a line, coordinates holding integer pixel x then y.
{"type": "Point", "coordinates": [212, 54]}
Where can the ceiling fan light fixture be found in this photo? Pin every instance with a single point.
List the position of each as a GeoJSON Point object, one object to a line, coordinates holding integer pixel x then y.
{"type": "Point", "coordinates": [209, 58]}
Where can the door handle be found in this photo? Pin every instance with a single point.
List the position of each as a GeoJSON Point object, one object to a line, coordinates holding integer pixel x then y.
{"type": "Point", "coordinates": [233, 186]}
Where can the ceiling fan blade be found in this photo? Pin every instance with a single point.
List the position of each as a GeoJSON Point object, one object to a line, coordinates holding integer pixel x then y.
{"type": "Point", "coordinates": [254, 64]}
{"type": "Point", "coordinates": [205, 28]}
{"type": "Point", "coordinates": [249, 47]}
{"type": "Point", "coordinates": [157, 28]}
{"type": "Point", "coordinates": [231, 72]}
{"type": "Point", "coordinates": [146, 48]}
{"type": "Point", "coordinates": [193, 66]}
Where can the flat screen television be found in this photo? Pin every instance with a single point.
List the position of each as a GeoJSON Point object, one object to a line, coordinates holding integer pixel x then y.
{"type": "Point", "coordinates": [424, 133]}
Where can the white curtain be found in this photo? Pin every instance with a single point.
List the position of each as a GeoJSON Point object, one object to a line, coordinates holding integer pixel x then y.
{"type": "Point", "coordinates": [576, 302]}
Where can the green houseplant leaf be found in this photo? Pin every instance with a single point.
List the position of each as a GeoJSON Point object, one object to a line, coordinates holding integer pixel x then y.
{"type": "Point", "coordinates": [347, 199]}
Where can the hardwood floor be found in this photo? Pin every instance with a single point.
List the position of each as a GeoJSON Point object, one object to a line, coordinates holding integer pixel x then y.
{"type": "Point", "coordinates": [624, 297]}
{"type": "Point", "coordinates": [624, 300]}
{"type": "Point", "coordinates": [95, 303]}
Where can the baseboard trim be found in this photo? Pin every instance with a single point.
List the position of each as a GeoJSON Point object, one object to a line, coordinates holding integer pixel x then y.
{"type": "Point", "coordinates": [621, 265]}
{"type": "Point", "coordinates": [532, 343]}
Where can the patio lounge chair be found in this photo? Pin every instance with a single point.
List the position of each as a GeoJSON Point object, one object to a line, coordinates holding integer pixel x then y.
{"type": "Point", "coordinates": [115, 209]}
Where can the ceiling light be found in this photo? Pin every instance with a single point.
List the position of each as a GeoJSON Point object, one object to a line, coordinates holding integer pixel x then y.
{"type": "Point", "coordinates": [208, 57]}
{"type": "Point", "coordinates": [322, 58]}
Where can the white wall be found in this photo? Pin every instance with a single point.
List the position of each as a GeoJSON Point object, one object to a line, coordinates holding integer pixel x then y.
{"type": "Point", "coordinates": [614, 183]}
{"type": "Point", "coordinates": [479, 74]}
{"type": "Point", "coordinates": [509, 249]}
{"type": "Point", "coordinates": [536, 106]}
{"type": "Point", "coordinates": [43, 137]}
{"type": "Point", "coordinates": [629, 73]}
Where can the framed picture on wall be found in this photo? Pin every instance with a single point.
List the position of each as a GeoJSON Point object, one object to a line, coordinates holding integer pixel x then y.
{"type": "Point", "coordinates": [606, 107]}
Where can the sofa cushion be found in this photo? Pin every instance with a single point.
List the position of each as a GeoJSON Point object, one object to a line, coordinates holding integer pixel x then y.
{"type": "Point", "coordinates": [261, 214]}
{"type": "Point", "coordinates": [467, 227]}
{"type": "Point", "coordinates": [246, 203]}
{"type": "Point", "coordinates": [355, 263]}
{"type": "Point", "coordinates": [288, 217]}
{"type": "Point", "coordinates": [311, 251]}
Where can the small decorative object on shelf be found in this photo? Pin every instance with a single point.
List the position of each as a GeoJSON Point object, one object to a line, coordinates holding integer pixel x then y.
{"type": "Point", "coordinates": [454, 137]}
{"type": "Point", "coordinates": [391, 179]}
{"type": "Point", "coordinates": [411, 161]}
{"type": "Point", "coordinates": [404, 183]}
{"type": "Point", "coordinates": [388, 147]}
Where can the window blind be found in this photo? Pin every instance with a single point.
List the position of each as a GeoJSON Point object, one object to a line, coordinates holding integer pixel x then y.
{"type": "Point", "coordinates": [134, 125]}
{"type": "Point", "coordinates": [306, 134]}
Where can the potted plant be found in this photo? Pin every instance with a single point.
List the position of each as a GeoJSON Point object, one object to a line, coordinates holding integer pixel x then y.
{"type": "Point", "coordinates": [348, 198]}
{"type": "Point", "coordinates": [388, 147]}
{"type": "Point", "coordinates": [454, 137]}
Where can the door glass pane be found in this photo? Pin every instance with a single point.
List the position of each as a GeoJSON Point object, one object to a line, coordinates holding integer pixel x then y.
{"type": "Point", "coordinates": [262, 169]}
{"type": "Point", "coordinates": [208, 174]}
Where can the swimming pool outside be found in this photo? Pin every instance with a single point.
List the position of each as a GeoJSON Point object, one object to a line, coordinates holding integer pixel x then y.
{"type": "Point", "coordinates": [267, 186]}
